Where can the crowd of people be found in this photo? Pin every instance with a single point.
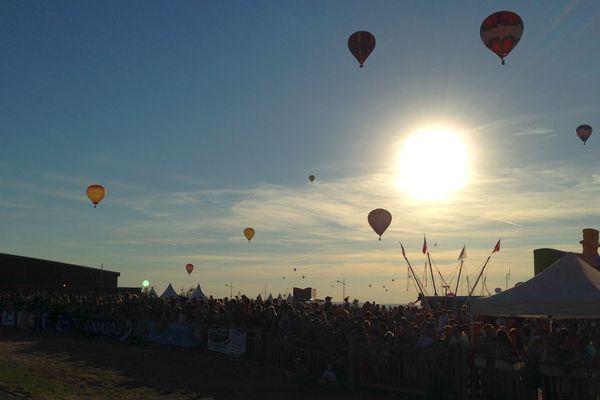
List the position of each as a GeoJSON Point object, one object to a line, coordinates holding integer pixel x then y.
{"type": "Point", "coordinates": [537, 344]}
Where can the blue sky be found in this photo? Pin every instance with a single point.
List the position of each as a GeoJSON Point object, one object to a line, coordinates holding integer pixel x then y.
{"type": "Point", "coordinates": [202, 118]}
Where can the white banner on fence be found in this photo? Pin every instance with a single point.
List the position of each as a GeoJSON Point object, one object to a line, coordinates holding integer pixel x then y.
{"type": "Point", "coordinates": [227, 340]}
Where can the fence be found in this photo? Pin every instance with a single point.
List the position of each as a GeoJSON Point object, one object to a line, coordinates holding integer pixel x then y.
{"type": "Point", "coordinates": [449, 374]}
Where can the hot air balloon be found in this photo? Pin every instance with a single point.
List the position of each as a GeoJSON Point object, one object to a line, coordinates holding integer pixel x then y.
{"type": "Point", "coordinates": [369, 285]}
{"type": "Point", "coordinates": [361, 44]}
{"type": "Point", "coordinates": [379, 219]}
{"type": "Point", "coordinates": [302, 276]}
{"type": "Point", "coordinates": [294, 269]}
{"type": "Point", "coordinates": [393, 280]}
{"type": "Point", "coordinates": [249, 233]}
{"type": "Point", "coordinates": [189, 268]}
{"type": "Point", "coordinates": [96, 193]}
{"type": "Point", "coordinates": [501, 31]}
{"type": "Point", "coordinates": [311, 178]}
{"type": "Point", "coordinates": [584, 132]}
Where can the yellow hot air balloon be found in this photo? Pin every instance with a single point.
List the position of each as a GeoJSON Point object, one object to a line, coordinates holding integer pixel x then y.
{"type": "Point", "coordinates": [249, 233]}
{"type": "Point", "coordinates": [96, 193]}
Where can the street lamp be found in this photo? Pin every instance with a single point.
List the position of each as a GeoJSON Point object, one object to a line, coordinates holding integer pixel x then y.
{"type": "Point", "coordinates": [230, 284]}
{"type": "Point", "coordinates": [343, 282]}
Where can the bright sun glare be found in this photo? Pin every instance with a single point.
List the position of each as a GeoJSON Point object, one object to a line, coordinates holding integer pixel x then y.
{"type": "Point", "coordinates": [433, 162]}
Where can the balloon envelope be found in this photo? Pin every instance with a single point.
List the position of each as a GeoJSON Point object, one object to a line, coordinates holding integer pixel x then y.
{"type": "Point", "coordinates": [379, 219]}
{"type": "Point", "coordinates": [361, 45]}
{"type": "Point", "coordinates": [584, 132]}
{"type": "Point", "coordinates": [189, 268]}
{"type": "Point", "coordinates": [96, 193]}
{"type": "Point", "coordinates": [501, 31]}
{"type": "Point", "coordinates": [311, 178]}
{"type": "Point", "coordinates": [249, 233]}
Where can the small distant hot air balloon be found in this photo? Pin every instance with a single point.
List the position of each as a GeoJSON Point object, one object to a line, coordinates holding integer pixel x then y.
{"type": "Point", "coordinates": [379, 219]}
{"type": "Point", "coordinates": [584, 132]}
{"type": "Point", "coordinates": [96, 193]}
{"type": "Point", "coordinates": [189, 268]}
{"type": "Point", "coordinates": [302, 276]}
{"type": "Point", "coordinates": [361, 45]}
{"type": "Point", "coordinates": [384, 286]}
{"type": "Point", "coordinates": [393, 280]}
{"type": "Point", "coordinates": [284, 277]}
{"type": "Point", "coordinates": [294, 269]}
{"type": "Point", "coordinates": [369, 285]}
{"type": "Point", "coordinates": [311, 178]}
{"type": "Point", "coordinates": [249, 233]}
{"type": "Point", "coordinates": [501, 31]}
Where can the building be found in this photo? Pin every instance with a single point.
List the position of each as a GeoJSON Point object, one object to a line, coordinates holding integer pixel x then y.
{"type": "Point", "coordinates": [32, 274]}
{"type": "Point", "coordinates": [543, 258]}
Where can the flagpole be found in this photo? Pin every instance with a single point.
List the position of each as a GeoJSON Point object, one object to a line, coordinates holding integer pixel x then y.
{"type": "Point", "coordinates": [416, 278]}
{"type": "Point", "coordinates": [457, 281]}
{"type": "Point", "coordinates": [477, 280]}
{"type": "Point", "coordinates": [432, 278]}
{"type": "Point", "coordinates": [496, 248]}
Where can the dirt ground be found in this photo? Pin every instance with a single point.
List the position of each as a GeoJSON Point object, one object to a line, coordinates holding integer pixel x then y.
{"type": "Point", "coordinates": [50, 366]}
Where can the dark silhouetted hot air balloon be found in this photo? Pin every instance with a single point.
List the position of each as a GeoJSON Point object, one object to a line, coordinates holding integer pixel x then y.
{"type": "Point", "coordinates": [311, 178]}
{"type": "Point", "coordinates": [189, 268]}
{"type": "Point", "coordinates": [501, 31]}
{"type": "Point", "coordinates": [302, 276]}
{"type": "Point", "coordinates": [249, 233]}
{"type": "Point", "coordinates": [96, 193]}
{"type": "Point", "coordinates": [379, 219]}
{"type": "Point", "coordinates": [369, 285]}
{"type": "Point", "coordinates": [584, 132]}
{"type": "Point", "coordinates": [361, 44]}
{"type": "Point", "coordinates": [294, 269]}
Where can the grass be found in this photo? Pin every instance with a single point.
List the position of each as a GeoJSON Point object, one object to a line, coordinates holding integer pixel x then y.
{"type": "Point", "coordinates": [58, 376]}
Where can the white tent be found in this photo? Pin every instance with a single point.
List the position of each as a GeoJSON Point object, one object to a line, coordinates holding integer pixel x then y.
{"type": "Point", "coordinates": [152, 292]}
{"type": "Point", "coordinates": [198, 293]}
{"type": "Point", "coordinates": [290, 299]}
{"type": "Point", "coordinates": [569, 288]}
{"type": "Point", "coordinates": [169, 293]}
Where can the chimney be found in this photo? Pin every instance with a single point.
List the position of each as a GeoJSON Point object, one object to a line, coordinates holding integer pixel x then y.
{"type": "Point", "coordinates": [590, 242]}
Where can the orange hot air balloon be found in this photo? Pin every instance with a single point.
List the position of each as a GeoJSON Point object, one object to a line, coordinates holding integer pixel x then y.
{"type": "Point", "coordinates": [96, 193]}
{"type": "Point", "coordinates": [361, 45]}
{"type": "Point", "coordinates": [249, 233]}
{"type": "Point", "coordinates": [189, 268]}
{"type": "Point", "coordinates": [379, 219]}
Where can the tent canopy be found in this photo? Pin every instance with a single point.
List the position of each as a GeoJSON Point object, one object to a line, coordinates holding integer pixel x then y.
{"type": "Point", "coordinates": [169, 293]}
{"type": "Point", "coordinates": [569, 288]}
{"type": "Point", "coordinates": [198, 293]}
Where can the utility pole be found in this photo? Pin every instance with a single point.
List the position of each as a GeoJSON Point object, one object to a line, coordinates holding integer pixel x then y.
{"type": "Point", "coordinates": [230, 284]}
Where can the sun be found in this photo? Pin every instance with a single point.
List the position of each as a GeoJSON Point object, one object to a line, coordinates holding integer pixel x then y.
{"type": "Point", "coordinates": [432, 163]}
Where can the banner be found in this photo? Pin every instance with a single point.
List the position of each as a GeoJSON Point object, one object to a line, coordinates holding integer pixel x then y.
{"type": "Point", "coordinates": [105, 327]}
{"type": "Point", "coordinates": [227, 340]}
{"type": "Point", "coordinates": [174, 333]}
{"type": "Point", "coordinates": [56, 322]}
{"type": "Point", "coordinates": [27, 319]}
{"type": "Point", "coordinates": [8, 318]}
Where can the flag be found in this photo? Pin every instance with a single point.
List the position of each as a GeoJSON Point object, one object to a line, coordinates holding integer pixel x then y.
{"type": "Point", "coordinates": [497, 247]}
{"type": "Point", "coordinates": [463, 254]}
{"type": "Point", "coordinates": [424, 245]}
{"type": "Point", "coordinates": [403, 253]}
